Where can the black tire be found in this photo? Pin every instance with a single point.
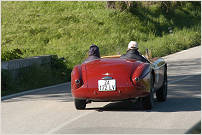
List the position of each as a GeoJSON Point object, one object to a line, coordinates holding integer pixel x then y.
{"type": "Point", "coordinates": [80, 104]}
{"type": "Point", "coordinates": [148, 101]}
{"type": "Point", "coordinates": [161, 94]}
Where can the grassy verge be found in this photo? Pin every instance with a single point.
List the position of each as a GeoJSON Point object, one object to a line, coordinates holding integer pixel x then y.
{"type": "Point", "coordinates": [173, 42]}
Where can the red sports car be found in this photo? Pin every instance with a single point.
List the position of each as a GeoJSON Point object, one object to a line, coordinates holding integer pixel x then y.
{"type": "Point", "coordinates": [116, 79]}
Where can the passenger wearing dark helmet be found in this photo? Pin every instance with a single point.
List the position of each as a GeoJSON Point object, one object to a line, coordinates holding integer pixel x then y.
{"type": "Point", "coordinates": [93, 53]}
{"type": "Point", "coordinates": [133, 53]}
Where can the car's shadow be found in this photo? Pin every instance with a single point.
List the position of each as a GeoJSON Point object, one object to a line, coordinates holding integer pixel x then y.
{"type": "Point", "coordinates": [182, 96]}
{"type": "Point", "coordinates": [170, 105]}
{"type": "Point", "coordinates": [126, 105]}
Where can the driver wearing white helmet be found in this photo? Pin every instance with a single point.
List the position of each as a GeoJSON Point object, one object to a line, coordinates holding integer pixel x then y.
{"type": "Point", "coordinates": [133, 53]}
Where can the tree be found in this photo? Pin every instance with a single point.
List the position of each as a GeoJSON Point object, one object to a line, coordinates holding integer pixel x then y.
{"type": "Point", "coordinates": [111, 4]}
{"type": "Point", "coordinates": [120, 5]}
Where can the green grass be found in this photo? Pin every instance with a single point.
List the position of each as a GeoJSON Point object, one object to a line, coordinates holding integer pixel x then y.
{"type": "Point", "coordinates": [67, 29]}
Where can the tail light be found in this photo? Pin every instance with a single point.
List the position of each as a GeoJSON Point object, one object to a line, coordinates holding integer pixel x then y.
{"type": "Point", "coordinates": [76, 78]}
{"type": "Point", "coordinates": [78, 83]}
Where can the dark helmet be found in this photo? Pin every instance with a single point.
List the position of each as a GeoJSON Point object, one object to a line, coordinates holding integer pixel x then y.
{"type": "Point", "coordinates": [94, 51]}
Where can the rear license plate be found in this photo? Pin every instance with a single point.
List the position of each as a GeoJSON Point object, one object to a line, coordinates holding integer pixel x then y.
{"type": "Point", "coordinates": [107, 85]}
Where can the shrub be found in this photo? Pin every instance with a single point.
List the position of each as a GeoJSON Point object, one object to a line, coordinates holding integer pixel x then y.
{"type": "Point", "coordinates": [11, 54]}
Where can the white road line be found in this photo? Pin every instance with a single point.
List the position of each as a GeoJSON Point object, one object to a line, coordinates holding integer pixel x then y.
{"type": "Point", "coordinates": [30, 91]}
{"type": "Point", "coordinates": [67, 122]}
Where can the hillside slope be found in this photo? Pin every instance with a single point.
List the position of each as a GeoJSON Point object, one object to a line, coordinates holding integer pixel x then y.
{"type": "Point", "coordinates": [67, 29]}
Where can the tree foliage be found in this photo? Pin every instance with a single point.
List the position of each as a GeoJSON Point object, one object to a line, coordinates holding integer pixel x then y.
{"type": "Point", "coordinates": [165, 6]}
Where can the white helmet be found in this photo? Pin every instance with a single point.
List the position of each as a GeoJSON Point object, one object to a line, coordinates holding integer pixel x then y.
{"type": "Point", "coordinates": [132, 44]}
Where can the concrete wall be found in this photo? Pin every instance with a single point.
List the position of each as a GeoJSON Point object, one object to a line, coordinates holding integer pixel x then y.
{"type": "Point", "coordinates": [14, 67]}
{"type": "Point", "coordinates": [22, 63]}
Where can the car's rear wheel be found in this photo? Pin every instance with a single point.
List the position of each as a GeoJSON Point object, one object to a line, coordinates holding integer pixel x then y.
{"type": "Point", "coordinates": [80, 104]}
{"type": "Point", "coordinates": [148, 101]}
{"type": "Point", "coordinates": [161, 94]}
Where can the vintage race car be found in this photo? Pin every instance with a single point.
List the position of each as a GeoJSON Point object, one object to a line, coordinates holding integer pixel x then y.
{"type": "Point", "coordinates": [114, 79]}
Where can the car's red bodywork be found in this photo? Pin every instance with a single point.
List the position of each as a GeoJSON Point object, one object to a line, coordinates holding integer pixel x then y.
{"type": "Point", "coordinates": [115, 79]}
{"type": "Point", "coordinates": [122, 70]}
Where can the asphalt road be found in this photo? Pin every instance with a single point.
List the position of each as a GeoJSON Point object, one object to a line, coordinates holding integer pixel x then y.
{"type": "Point", "coordinates": [52, 110]}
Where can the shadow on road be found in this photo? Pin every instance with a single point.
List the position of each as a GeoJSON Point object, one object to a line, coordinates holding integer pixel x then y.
{"type": "Point", "coordinates": [61, 94]}
{"type": "Point", "coordinates": [184, 67]}
{"type": "Point", "coordinates": [182, 96]}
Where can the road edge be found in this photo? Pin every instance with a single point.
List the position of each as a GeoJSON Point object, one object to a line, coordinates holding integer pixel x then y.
{"type": "Point", "coordinates": [31, 91]}
{"type": "Point", "coordinates": [181, 51]}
